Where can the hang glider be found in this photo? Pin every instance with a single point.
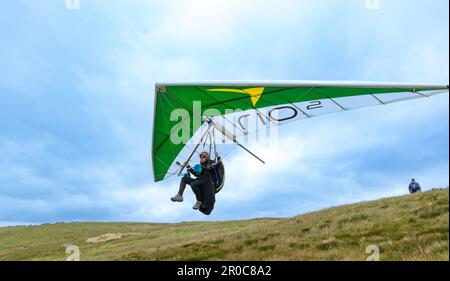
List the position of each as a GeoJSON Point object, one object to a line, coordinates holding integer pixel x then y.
{"type": "Point", "coordinates": [187, 114]}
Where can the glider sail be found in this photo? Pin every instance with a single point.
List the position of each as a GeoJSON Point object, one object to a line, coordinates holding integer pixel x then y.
{"type": "Point", "coordinates": [235, 105]}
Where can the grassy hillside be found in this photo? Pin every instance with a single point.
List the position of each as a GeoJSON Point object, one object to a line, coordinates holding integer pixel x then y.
{"type": "Point", "coordinates": [412, 227]}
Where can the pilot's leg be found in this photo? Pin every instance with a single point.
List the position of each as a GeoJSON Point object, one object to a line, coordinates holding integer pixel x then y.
{"type": "Point", "coordinates": [196, 188]}
{"type": "Point", "coordinates": [184, 180]}
{"type": "Point", "coordinates": [179, 197]}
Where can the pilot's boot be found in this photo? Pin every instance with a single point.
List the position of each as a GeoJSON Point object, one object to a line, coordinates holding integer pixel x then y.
{"type": "Point", "coordinates": [177, 198]}
{"type": "Point", "coordinates": [197, 205]}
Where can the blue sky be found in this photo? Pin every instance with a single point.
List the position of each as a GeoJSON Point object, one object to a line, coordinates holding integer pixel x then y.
{"type": "Point", "coordinates": [76, 101]}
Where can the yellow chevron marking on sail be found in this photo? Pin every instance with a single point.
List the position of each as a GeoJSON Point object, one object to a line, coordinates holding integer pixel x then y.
{"type": "Point", "coordinates": [254, 93]}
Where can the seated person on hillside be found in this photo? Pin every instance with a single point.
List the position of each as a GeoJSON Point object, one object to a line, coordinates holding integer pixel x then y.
{"type": "Point", "coordinates": [414, 186]}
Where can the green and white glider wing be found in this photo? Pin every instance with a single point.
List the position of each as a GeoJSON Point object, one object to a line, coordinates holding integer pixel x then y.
{"type": "Point", "coordinates": [181, 107]}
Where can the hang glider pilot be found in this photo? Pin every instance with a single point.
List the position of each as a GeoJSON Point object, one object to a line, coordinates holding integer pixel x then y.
{"type": "Point", "coordinates": [202, 185]}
